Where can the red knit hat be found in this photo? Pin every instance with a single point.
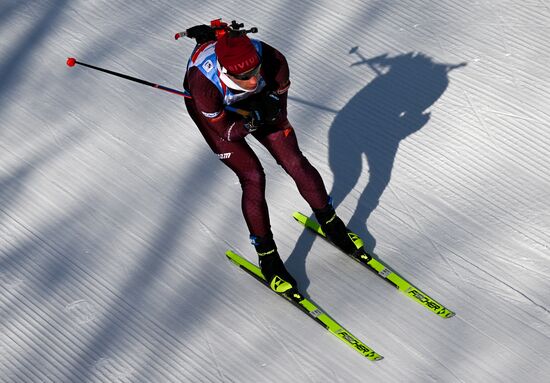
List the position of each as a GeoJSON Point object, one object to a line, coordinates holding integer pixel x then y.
{"type": "Point", "coordinates": [237, 54]}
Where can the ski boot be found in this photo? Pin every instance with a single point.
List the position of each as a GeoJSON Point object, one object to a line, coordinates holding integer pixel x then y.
{"type": "Point", "coordinates": [273, 268]}
{"type": "Point", "coordinates": [337, 232]}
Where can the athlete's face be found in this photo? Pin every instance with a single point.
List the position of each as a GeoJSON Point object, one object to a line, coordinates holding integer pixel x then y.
{"type": "Point", "coordinates": [247, 80]}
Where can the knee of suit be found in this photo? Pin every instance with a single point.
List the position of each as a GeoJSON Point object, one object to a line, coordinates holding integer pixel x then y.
{"type": "Point", "coordinates": [295, 164]}
{"type": "Point", "coordinates": [254, 177]}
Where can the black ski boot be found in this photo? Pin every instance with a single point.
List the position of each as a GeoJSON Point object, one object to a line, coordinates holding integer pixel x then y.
{"type": "Point", "coordinates": [272, 266]}
{"type": "Point", "coordinates": [337, 232]}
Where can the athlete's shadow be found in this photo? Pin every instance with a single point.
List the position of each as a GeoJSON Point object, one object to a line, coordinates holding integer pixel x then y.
{"type": "Point", "coordinates": [391, 107]}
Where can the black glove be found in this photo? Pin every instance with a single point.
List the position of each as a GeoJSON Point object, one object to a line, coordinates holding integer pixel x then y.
{"type": "Point", "coordinates": [265, 108]}
{"type": "Point", "coordinates": [253, 121]}
{"type": "Point", "coordinates": [271, 107]}
{"type": "Point", "coordinates": [201, 33]}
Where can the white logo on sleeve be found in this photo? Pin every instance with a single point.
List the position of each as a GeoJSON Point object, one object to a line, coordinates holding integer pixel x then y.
{"type": "Point", "coordinates": [211, 115]}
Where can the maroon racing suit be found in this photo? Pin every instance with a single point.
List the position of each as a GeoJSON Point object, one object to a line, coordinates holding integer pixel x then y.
{"type": "Point", "coordinates": [224, 132]}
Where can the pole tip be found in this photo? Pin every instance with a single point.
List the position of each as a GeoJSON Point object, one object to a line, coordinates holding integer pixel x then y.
{"type": "Point", "coordinates": [71, 61]}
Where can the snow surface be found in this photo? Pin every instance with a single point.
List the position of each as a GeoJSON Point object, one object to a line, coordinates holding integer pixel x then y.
{"type": "Point", "coordinates": [428, 121]}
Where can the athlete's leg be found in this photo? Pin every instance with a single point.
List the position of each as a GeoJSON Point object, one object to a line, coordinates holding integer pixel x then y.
{"type": "Point", "coordinates": [283, 146]}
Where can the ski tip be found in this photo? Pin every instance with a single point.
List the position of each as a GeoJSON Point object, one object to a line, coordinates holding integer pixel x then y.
{"type": "Point", "coordinates": [450, 314]}
{"type": "Point", "coordinates": [374, 357]}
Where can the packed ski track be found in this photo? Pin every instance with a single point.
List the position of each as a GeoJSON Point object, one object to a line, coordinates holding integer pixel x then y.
{"type": "Point", "coordinates": [428, 120]}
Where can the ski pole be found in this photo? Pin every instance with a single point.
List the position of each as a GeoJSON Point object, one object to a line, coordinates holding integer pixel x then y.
{"type": "Point", "coordinates": [71, 61]}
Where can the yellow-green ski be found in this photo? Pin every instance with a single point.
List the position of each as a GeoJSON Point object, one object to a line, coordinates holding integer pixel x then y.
{"type": "Point", "coordinates": [309, 308]}
{"type": "Point", "coordinates": [385, 272]}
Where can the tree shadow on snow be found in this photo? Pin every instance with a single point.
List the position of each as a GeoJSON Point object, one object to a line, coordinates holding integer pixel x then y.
{"type": "Point", "coordinates": [387, 110]}
{"type": "Point", "coordinates": [19, 57]}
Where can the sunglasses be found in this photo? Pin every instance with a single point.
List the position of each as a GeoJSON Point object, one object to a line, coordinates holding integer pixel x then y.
{"type": "Point", "coordinates": [247, 75]}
